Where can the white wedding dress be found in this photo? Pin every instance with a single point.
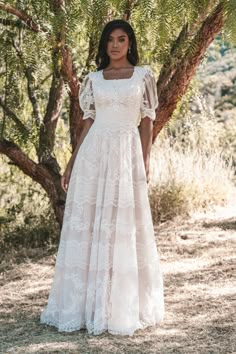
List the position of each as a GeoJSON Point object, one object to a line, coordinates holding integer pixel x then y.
{"type": "Point", "coordinates": [107, 274]}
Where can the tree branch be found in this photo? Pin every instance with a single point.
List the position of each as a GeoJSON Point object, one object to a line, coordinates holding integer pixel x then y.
{"type": "Point", "coordinates": [30, 84]}
{"type": "Point", "coordinates": [23, 17]}
{"type": "Point", "coordinates": [130, 4]}
{"type": "Point", "coordinates": [21, 160]}
{"type": "Point", "coordinates": [69, 74]}
{"type": "Point", "coordinates": [186, 69]}
{"type": "Point", "coordinates": [32, 96]}
{"type": "Point", "coordinates": [43, 81]}
{"type": "Point", "coordinates": [48, 128]}
{"type": "Point", "coordinates": [12, 23]}
{"type": "Point", "coordinates": [21, 127]}
{"type": "Point", "coordinates": [179, 47]}
{"type": "Point", "coordinates": [170, 64]}
{"type": "Point", "coordinates": [39, 173]}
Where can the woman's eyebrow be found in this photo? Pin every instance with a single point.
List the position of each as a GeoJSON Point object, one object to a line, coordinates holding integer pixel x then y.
{"type": "Point", "coordinates": [123, 35]}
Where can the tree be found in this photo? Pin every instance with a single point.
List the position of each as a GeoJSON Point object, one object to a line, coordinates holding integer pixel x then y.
{"type": "Point", "coordinates": [48, 46]}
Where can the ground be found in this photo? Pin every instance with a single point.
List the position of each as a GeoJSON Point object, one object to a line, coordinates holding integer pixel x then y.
{"type": "Point", "coordinates": [199, 264]}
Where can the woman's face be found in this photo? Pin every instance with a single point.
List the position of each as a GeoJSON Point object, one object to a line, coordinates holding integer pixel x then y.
{"type": "Point", "coordinates": [118, 44]}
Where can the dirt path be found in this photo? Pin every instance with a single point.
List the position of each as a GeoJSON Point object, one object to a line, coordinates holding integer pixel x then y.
{"type": "Point", "coordinates": [199, 264]}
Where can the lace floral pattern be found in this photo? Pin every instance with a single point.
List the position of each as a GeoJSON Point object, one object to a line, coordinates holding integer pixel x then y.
{"type": "Point", "coordinates": [149, 99]}
{"type": "Point", "coordinates": [87, 99]}
{"type": "Point", "coordinates": [107, 274]}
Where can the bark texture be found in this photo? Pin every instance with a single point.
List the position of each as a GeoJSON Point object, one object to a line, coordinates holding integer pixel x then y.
{"type": "Point", "coordinates": [172, 90]}
{"type": "Point", "coordinates": [174, 79]}
{"type": "Point", "coordinates": [69, 74]}
{"type": "Point", "coordinates": [49, 180]}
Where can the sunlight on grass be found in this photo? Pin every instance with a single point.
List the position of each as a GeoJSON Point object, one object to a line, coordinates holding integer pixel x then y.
{"type": "Point", "coordinates": [198, 293]}
{"type": "Point", "coordinates": [189, 172]}
{"type": "Point", "coordinates": [45, 347]}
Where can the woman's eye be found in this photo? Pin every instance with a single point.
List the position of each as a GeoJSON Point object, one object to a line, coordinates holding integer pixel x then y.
{"type": "Point", "coordinates": [121, 40]}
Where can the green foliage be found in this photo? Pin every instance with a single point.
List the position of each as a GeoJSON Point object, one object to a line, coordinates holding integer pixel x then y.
{"type": "Point", "coordinates": [78, 24]}
{"type": "Point", "coordinates": [193, 160]}
{"type": "Point", "coordinates": [230, 20]}
{"type": "Point", "coordinates": [26, 217]}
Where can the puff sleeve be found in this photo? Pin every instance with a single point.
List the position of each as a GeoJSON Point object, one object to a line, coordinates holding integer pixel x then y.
{"type": "Point", "coordinates": [86, 98]}
{"type": "Point", "coordinates": [149, 98]}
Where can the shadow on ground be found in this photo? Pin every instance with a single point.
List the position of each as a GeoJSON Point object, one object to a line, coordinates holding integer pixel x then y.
{"type": "Point", "coordinates": [198, 264]}
{"type": "Point", "coordinates": [229, 224]}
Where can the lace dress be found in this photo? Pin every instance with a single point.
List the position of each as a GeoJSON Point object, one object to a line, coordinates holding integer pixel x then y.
{"type": "Point", "coordinates": [107, 273]}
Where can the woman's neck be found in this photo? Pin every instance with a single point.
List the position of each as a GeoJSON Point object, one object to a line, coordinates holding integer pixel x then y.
{"type": "Point", "coordinates": [119, 64]}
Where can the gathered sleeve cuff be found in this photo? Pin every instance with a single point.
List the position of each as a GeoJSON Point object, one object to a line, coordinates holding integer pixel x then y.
{"type": "Point", "coordinates": [149, 98]}
{"type": "Point", "coordinates": [86, 98]}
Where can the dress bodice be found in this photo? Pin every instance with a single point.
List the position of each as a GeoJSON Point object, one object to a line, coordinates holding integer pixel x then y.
{"type": "Point", "coordinates": [119, 102]}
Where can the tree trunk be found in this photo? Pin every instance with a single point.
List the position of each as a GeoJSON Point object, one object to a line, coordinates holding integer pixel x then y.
{"type": "Point", "coordinates": [48, 127]}
{"type": "Point", "coordinates": [69, 74]}
{"type": "Point", "coordinates": [178, 84]}
{"type": "Point", "coordinates": [172, 84]}
{"type": "Point", "coordinates": [40, 173]}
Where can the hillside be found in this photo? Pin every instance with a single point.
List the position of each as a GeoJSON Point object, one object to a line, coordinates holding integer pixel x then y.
{"type": "Point", "coordinates": [218, 85]}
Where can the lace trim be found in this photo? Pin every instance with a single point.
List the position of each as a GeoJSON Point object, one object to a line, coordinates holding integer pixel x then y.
{"type": "Point", "coordinates": [86, 98]}
{"type": "Point", "coordinates": [104, 224]}
{"type": "Point", "coordinates": [45, 319]}
{"type": "Point", "coordinates": [116, 181]}
{"type": "Point", "coordinates": [150, 113]}
{"type": "Point", "coordinates": [89, 114]}
{"type": "Point", "coordinates": [74, 224]}
{"type": "Point", "coordinates": [79, 256]}
{"type": "Point", "coordinates": [116, 203]}
{"type": "Point", "coordinates": [150, 98]}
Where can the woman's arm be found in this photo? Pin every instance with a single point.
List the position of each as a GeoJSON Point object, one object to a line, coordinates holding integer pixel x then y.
{"type": "Point", "coordinates": [146, 131]}
{"type": "Point", "coordinates": [66, 176]}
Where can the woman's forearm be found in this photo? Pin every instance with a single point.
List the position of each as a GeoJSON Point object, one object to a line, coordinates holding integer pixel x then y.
{"type": "Point", "coordinates": [87, 125]}
{"type": "Point", "coordinates": [146, 131]}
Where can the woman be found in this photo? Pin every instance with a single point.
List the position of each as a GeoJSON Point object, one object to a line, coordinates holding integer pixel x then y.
{"type": "Point", "coordinates": [107, 274]}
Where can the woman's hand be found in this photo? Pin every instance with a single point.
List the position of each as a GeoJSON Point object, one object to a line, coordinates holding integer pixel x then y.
{"type": "Point", "coordinates": [66, 178]}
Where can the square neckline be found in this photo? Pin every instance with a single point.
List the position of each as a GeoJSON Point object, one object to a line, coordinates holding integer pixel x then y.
{"type": "Point", "coordinates": [129, 78]}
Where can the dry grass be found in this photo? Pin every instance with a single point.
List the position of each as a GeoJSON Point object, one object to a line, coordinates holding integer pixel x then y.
{"type": "Point", "coordinates": [198, 258]}
{"type": "Point", "coordinates": [185, 179]}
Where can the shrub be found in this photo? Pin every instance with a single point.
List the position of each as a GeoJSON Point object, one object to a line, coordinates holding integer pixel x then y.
{"type": "Point", "coordinates": [189, 171]}
{"type": "Point", "coordinates": [26, 216]}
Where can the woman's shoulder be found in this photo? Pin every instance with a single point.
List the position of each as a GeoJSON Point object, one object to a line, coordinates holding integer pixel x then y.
{"type": "Point", "coordinates": [144, 70]}
{"type": "Point", "coordinates": [92, 74]}
{"type": "Point", "coordinates": [141, 68]}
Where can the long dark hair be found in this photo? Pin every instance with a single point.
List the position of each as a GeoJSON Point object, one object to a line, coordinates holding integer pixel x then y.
{"type": "Point", "coordinates": [102, 59]}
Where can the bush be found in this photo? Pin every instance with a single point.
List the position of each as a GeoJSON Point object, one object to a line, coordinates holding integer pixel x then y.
{"type": "Point", "coordinates": [189, 171]}
{"type": "Point", "coordinates": [26, 216]}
